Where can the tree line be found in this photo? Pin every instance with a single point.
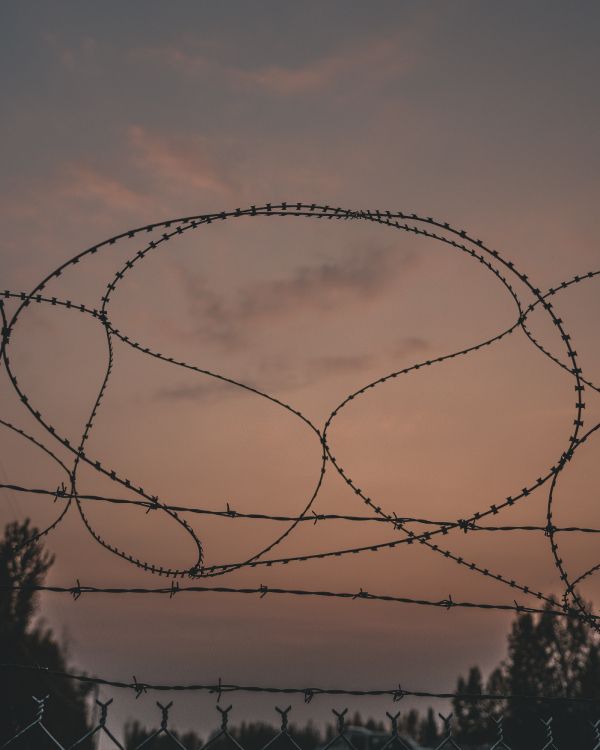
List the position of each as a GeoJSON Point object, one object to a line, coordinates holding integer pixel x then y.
{"type": "Point", "coordinates": [546, 655]}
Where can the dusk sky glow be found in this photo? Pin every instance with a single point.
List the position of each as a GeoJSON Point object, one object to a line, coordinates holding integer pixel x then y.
{"type": "Point", "coordinates": [484, 115]}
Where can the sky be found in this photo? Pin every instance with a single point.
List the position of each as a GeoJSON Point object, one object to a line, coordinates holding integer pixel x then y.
{"type": "Point", "coordinates": [479, 114]}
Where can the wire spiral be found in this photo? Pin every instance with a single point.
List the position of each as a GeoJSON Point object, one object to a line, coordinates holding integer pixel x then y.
{"type": "Point", "coordinates": [69, 495]}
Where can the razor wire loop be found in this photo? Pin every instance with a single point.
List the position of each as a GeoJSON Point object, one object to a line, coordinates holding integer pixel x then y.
{"type": "Point", "coordinates": [578, 422]}
{"type": "Point", "coordinates": [570, 590]}
{"type": "Point", "coordinates": [575, 279]}
{"type": "Point", "coordinates": [8, 327]}
{"type": "Point", "coordinates": [525, 492]}
{"type": "Point", "coordinates": [444, 531]}
{"type": "Point", "coordinates": [413, 223]}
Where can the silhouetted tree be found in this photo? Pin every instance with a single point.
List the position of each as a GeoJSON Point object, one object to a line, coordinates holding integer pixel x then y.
{"type": "Point", "coordinates": [556, 657]}
{"type": "Point", "coordinates": [409, 723]}
{"type": "Point", "coordinates": [250, 735]}
{"type": "Point", "coordinates": [23, 641]}
{"type": "Point", "coordinates": [470, 723]}
{"type": "Point", "coordinates": [136, 734]}
{"type": "Point", "coordinates": [547, 655]}
{"type": "Point", "coordinates": [428, 735]}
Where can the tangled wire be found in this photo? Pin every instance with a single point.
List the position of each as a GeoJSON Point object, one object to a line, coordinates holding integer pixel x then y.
{"type": "Point", "coordinates": [505, 273]}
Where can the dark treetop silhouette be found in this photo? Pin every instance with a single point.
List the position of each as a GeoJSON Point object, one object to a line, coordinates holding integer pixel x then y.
{"type": "Point", "coordinates": [22, 639]}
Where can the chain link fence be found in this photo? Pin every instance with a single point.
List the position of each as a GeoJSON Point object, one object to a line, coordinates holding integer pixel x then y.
{"type": "Point", "coordinates": [342, 735]}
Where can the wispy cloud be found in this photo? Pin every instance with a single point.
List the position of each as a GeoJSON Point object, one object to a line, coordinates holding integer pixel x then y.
{"type": "Point", "coordinates": [84, 182]}
{"type": "Point", "coordinates": [270, 375]}
{"type": "Point", "coordinates": [380, 58]}
{"type": "Point", "coordinates": [276, 375]}
{"type": "Point", "coordinates": [374, 58]}
{"type": "Point", "coordinates": [187, 163]}
{"type": "Point", "coordinates": [209, 389]}
{"type": "Point", "coordinates": [339, 363]}
{"type": "Point", "coordinates": [326, 287]}
{"type": "Point", "coordinates": [148, 175]}
{"type": "Point", "coordinates": [71, 187]}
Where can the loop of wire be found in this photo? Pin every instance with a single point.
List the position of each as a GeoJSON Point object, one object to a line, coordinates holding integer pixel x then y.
{"type": "Point", "coordinates": [69, 495]}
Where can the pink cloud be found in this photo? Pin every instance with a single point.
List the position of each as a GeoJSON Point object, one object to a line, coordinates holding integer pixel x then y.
{"type": "Point", "coordinates": [181, 163]}
{"type": "Point", "coordinates": [71, 183]}
{"type": "Point", "coordinates": [375, 58]}
{"type": "Point", "coordinates": [151, 175]}
{"type": "Point", "coordinates": [85, 182]}
{"type": "Point", "coordinates": [282, 80]}
{"type": "Point", "coordinates": [188, 62]}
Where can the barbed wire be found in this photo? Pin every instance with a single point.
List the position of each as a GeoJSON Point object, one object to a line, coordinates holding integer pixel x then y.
{"type": "Point", "coordinates": [314, 518]}
{"type": "Point", "coordinates": [262, 590]}
{"type": "Point", "coordinates": [502, 270]}
{"type": "Point", "coordinates": [219, 688]}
